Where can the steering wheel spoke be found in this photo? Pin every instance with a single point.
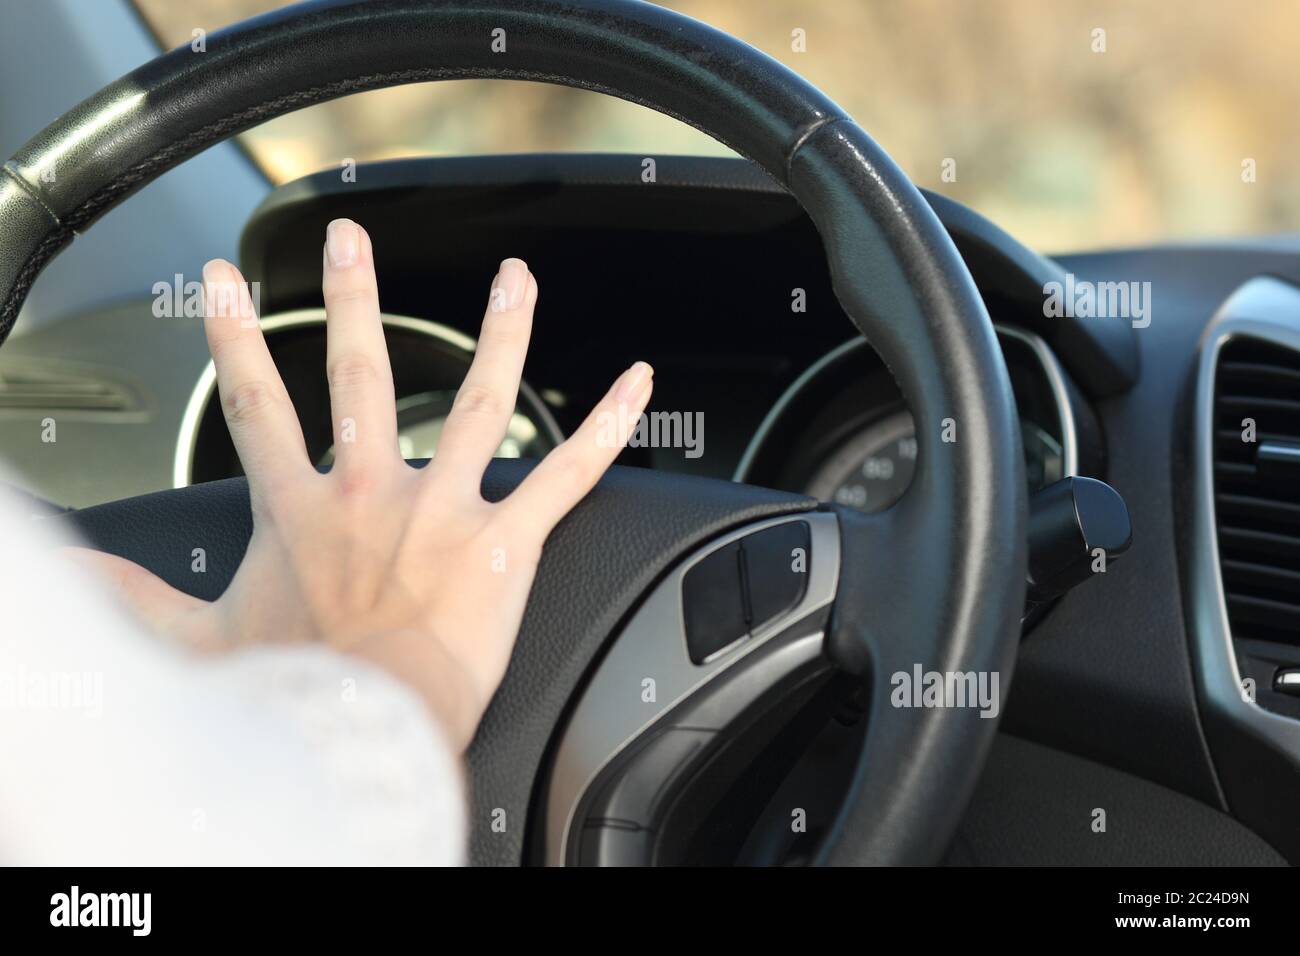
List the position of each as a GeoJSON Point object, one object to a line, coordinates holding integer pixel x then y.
{"type": "Point", "coordinates": [704, 650]}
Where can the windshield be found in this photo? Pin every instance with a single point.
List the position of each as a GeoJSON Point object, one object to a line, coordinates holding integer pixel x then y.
{"type": "Point", "coordinates": [1072, 124]}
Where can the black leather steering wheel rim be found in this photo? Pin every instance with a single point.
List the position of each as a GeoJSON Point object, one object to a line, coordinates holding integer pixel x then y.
{"type": "Point", "coordinates": [938, 580]}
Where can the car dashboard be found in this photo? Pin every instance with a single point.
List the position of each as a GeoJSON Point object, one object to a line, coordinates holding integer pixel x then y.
{"type": "Point", "coordinates": [711, 272]}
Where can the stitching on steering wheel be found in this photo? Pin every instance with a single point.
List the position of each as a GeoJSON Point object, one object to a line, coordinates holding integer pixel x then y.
{"type": "Point", "coordinates": [31, 191]}
{"type": "Point", "coordinates": [49, 247]}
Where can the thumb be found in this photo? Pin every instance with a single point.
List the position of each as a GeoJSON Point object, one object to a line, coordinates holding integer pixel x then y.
{"type": "Point", "coordinates": [162, 607]}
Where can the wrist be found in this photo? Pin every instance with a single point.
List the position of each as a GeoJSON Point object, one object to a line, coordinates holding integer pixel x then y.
{"type": "Point", "coordinates": [422, 663]}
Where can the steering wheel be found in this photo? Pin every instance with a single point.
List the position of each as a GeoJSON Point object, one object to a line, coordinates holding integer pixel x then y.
{"type": "Point", "coordinates": [575, 760]}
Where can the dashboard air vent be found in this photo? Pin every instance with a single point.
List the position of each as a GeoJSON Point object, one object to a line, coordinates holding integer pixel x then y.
{"type": "Point", "coordinates": [44, 390]}
{"type": "Point", "coordinates": [1257, 487]}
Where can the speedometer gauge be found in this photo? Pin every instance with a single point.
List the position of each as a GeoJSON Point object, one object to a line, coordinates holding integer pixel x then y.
{"type": "Point", "coordinates": [420, 419]}
{"type": "Point", "coordinates": [873, 468]}
{"type": "Point", "coordinates": [841, 432]}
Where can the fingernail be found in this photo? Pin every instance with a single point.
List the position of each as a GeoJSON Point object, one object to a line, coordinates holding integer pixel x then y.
{"type": "Point", "coordinates": [342, 242]}
{"type": "Point", "coordinates": [217, 270]}
{"type": "Point", "coordinates": [631, 383]}
{"type": "Point", "coordinates": [509, 285]}
{"type": "Point", "coordinates": [222, 291]}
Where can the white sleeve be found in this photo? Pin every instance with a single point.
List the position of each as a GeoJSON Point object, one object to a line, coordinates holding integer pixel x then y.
{"type": "Point", "coordinates": [117, 749]}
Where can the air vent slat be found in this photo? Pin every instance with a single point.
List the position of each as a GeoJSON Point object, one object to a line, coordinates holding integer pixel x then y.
{"type": "Point", "coordinates": [1260, 542]}
{"type": "Point", "coordinates": [1281, 615]}
{"type": "Point", "coordinates": [1269, 512]}
{"type": "Point", "coordinates": [54, 391]}
{"type": "Point", "coordinates": [1258, 512]}
{"type": "Point", "coordinates": [1259, 352]}
{"type": "Point", "coordinates": [1258, 577]}
{"type": "Point", "coordinates": [1249, 402]}
{"type": "Point", "coordinates": [1256, 373]}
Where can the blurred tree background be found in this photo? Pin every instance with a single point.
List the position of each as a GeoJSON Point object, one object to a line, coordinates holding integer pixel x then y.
{"type": "Point", "coordinates": [1064, 146]}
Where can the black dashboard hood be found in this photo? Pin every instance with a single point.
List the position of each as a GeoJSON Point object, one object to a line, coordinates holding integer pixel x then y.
{"type": "Point", "coordinates": [559, 207]}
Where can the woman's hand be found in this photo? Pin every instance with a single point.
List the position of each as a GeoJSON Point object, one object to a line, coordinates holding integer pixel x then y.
{"type": "Point", "coordinates": [409, 568]}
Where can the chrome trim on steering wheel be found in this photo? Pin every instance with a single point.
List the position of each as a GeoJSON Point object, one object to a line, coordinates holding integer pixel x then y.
{"type": "Point", "coordinates": [611, 713]}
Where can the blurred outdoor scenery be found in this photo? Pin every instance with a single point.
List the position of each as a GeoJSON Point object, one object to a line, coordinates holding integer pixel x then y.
{"type": "Point", "coordinates": [1065, 147]}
